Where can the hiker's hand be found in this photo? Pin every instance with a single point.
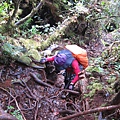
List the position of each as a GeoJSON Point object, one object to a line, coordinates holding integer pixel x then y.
{"type": "Point", "coordinates": [43, 60]}
{"type": "Point", "coordinates": [71, 86]}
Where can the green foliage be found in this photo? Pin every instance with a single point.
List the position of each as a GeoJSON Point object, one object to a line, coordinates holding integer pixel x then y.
{"type": "Point", "coordinates": [3, 8]}
{"type": "Point", "coordinates": [26, 24]}
{"type": "Point", "coordinates": [111, 79]}
{"type": "Point", "coordinates": [95, 68]}
{"type": "Point", "coordinates": [117, 66]}
{"type": "Point", "coordinates": [111, 8]}
{"type": "Point", "coordinates": [2, 38]}
{"type": "Point", "coordinates": [9, 49]}
{"type": "Point", "coordinates": [26, 31]}
{"type": "Point", "coordinates": [105, 12]}
{"type": "Point", "coordinates": [25, 59]}
{"type": "Point", "coordinates": [93, 87]}
{"type": "Point", "coordinates": [34, 54]}
{"type": "Point", "coordinates": [96, 65]}
{"type": "Point", "coordinates": [64, 1]}
{"type": "Point", "coordinates": [20, 53]}
{"type": "Point", "coordinates": [111, 71]}
{"type": "Point", "coordinates": [12, 50]}
{"type": "Point", "coordinates": [33, 30]}
{"type": "Point", "coordinates": [15, 112]}
{"type": "Point", "coordinates": [112, 55]}
{"type": "Point", "coordinates": [29, 43]}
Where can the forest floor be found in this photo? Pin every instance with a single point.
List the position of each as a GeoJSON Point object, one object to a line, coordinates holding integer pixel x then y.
{"type": "Point", "coordinates": [19, 90]}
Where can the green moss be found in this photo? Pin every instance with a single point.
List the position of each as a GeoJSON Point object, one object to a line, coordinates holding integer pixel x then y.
{"type": "Point", "coordinates": [34, 54]}
{"type": "Point", "coordinates": [29, 43]}
{"type": "Point", "coordinates": [25, 59]}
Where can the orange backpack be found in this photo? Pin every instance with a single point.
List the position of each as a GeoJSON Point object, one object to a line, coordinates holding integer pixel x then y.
{"type": "Point", "coordinates": [79, 53]}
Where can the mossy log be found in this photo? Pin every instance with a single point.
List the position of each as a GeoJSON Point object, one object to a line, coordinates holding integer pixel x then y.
{"type": "Point", "coordinates": [30, 49]}
{"type": "Point", "coordinates": [65, 27]}
{"type": "Point", "coordinates": [61, 31]}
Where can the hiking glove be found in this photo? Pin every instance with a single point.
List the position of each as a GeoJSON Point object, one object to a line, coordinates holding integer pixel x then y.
{"type": "Point", "coordinates": [43, 60]}
{"type": "Point", "coordinates": [71, 86]}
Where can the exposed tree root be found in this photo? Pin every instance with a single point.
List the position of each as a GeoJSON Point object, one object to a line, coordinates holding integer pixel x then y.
{"type": "Point", "coordinates": [39, 81]}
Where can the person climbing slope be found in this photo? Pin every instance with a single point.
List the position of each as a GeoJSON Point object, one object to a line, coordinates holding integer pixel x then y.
{"type": "Point", "coordinates": [67, 60]}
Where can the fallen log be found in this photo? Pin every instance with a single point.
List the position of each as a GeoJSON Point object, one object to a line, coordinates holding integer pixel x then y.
{"type": "Point", "coordinates": [39, 81]}
{"type": "Point", "coordinates": [64, 27]}
{"type": "Point", "coordinates": [90, 111]}
{"type": "Point", "coordinates": [24, 54]}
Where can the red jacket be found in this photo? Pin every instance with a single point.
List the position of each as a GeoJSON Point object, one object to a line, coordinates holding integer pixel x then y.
{"type": "Point", "coordinates": [74, 68]}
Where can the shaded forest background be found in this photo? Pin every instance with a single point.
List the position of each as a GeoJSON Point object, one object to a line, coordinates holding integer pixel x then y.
{"type": "Point", "coordinates": [32, 29]}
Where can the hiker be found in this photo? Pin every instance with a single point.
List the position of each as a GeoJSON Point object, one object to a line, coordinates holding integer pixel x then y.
{"type": "Point", "coordinates": [64, 60]}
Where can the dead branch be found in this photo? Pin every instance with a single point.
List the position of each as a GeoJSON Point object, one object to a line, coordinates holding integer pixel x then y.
{"type": "Point", "coordinates": [39, 81]}
{"type": "Point", "coordinates": [71, 91]}
{"type": "Point", "coordinates": [90, 111]}
{"type": "Point", "coordinates": [72, 105]}
{"type": "Point", "coordinates": [33, 96]}
{"type": "Point", "coordinates": [44, 74]}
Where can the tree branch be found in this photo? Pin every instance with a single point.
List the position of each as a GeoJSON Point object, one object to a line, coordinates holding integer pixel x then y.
{"type": "Point", "coordinates": [90, 111]}
{"type": "Point", "coordinates": [105, 17]}
{"type": "Point", "coordinates": [34, 10]}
